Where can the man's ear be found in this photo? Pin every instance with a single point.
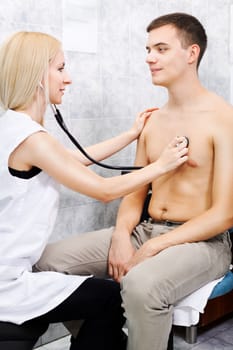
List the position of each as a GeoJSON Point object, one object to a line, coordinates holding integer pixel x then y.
{"type": "Point", "coordinates": [194, 51]}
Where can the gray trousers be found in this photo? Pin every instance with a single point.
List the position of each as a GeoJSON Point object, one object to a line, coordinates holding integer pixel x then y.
{"type": "Point", "coordinates": [150, 289]}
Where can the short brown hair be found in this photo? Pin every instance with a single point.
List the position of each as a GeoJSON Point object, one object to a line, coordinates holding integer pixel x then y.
{"type": "Point", "coordinates": [190, 29]}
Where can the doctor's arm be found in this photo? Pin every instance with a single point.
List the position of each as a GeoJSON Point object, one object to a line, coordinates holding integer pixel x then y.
{"type": "Point", "coordinates": [45, 152]}
{"type": "Point", "coordinates": [107, 148]}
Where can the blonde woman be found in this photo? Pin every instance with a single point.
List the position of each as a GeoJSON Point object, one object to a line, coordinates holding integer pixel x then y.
{"type": "Point", "coordinates": [33, 164]}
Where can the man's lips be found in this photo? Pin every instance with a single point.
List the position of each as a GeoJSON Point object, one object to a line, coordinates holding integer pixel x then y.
{"type": "Point", "coordinates": [155, 70]}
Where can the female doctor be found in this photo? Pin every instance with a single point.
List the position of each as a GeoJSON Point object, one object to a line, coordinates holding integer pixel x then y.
{"type": "Point", "coordinates": [32, 165]}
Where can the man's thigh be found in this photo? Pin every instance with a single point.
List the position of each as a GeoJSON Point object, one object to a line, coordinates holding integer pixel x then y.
{"type": "Point", "coordinates": [80, 254]}
{"type": "Point", "coordinates": [85, 253]}
{"type": "Point", "coordinates": [179, 270]}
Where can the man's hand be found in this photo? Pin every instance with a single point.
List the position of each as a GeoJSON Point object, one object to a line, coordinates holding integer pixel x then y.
{"type": "Point", "coordinates": [144, 252]}
{"type": "Point", "coordinates": [121, 251]}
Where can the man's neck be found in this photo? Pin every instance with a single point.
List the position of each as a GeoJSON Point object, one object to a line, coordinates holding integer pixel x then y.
{"type": "Point", "coordinates": [183, 95]}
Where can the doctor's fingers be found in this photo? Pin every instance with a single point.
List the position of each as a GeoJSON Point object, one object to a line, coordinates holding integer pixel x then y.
{"type": "Point", "coordinates": [179, 142]}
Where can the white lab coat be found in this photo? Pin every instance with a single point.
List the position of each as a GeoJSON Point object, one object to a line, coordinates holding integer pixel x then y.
{"type": "Point", "coordinates": [28, 209]}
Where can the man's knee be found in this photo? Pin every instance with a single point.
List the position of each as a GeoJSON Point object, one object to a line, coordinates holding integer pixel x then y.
{"type": "Point", "coordinates": [48, 260]}
{"type": "Point", "coordinates": [144, 292]}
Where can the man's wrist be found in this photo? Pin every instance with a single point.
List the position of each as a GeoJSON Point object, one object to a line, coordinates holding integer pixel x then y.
{"type": "Point", "coordinates": [120, 232]}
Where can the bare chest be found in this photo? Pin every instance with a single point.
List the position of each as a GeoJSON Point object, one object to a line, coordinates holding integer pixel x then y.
{"type": "Point", "coordinates": [200, 150]}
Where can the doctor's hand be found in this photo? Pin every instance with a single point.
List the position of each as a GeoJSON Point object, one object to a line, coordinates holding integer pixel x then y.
{"type": "Point", "coordinates": [140, 121]}
{"type": "Point", "coordinates": [174, 155]}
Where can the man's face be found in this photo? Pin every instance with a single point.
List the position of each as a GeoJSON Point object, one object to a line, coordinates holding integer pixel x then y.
{"type": "Point", "coordinates": [166, 57]}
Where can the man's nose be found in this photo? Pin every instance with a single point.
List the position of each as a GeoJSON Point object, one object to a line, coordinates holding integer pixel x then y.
{"type": "Point", "coordinates": [151, 57]}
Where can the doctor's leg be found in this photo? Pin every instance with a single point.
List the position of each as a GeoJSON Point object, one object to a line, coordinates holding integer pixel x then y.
{"type": "Point", "coordinates": [98, 303]}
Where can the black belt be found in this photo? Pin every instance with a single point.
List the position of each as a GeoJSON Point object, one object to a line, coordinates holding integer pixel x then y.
{"type": "Point", "coordinates": [165, 222]}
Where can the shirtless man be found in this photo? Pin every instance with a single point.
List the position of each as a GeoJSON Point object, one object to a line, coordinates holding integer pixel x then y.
{"type": "Point", "coordinates": [185, 242]}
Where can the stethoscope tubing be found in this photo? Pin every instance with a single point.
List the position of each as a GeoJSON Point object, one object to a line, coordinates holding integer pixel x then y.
{"type": "Point", "coordinates": [60, 121]}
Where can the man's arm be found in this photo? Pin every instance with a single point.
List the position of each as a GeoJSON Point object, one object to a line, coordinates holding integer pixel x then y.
{"type": "Point", "coordinates": [128, 216]}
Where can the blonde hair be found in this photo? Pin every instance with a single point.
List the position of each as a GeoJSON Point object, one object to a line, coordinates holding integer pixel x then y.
{"type": "Point", "coordinates": [24, 62]}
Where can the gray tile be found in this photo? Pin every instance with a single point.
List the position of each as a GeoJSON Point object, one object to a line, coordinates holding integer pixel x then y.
{"type": "Point", "coordinates": [218, 337]}
{"type": "Point", "coordinates": [225, 337]}
{"type": "Point", "coordinates": [61, 344]}
{"type": "Point", "coordinates": [42, 348]}
{"type": "Point", "coordinates": [55, 331]}
{"type": "Point", "coordinates": [213, 344]}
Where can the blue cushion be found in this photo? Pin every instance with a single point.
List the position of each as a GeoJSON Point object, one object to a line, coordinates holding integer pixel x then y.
{"type": "Point", "coordinates": [223, 287]}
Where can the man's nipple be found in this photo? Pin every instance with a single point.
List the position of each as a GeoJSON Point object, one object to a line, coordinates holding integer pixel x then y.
{"type": "Point", "coordinates": [192, 163]}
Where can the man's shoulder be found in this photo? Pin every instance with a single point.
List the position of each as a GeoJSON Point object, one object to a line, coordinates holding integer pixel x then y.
{"type": "Point", "coordinates": [216, 109]}
{"type": "Point", "coordinates": [157, 114]}
{"type": "Point", "coordinates": [220, 104]}
{"type": "Point", "coordinates": [220, 120]}
{"type": "Point", "coordinates": [152, 122]}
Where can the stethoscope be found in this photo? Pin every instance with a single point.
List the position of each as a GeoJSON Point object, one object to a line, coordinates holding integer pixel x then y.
{"type": "Point", "coordinates": [60, 120]}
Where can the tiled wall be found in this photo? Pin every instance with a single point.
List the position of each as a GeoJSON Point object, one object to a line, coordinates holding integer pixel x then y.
{"type": "Point", "coordinates": [112, 85]}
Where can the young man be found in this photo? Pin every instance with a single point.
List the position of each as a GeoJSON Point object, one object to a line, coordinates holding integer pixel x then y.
{"type": "Point", "coordinates": [185, 242]}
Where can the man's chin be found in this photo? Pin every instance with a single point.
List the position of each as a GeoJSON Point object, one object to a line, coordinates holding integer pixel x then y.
{"type": "Point", "coordinates": [157, 82]}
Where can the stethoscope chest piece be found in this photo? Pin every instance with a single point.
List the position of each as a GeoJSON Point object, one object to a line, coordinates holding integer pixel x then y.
{"type": "Point", "coordinates": [187, 141]}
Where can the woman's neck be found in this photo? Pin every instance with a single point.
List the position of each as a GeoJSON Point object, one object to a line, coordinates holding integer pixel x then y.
{"type": "Point", "coordinates": [34, 112]}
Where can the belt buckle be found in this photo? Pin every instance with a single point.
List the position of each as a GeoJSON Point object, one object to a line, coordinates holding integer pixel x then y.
{"type": "Point", "coordinates": [168, 223]}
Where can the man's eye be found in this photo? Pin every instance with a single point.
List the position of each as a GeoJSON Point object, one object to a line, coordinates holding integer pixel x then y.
{"type": "Point", "coordinates": [162, 49]}
{"type": "Point", "coordinates": [61, 69]}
